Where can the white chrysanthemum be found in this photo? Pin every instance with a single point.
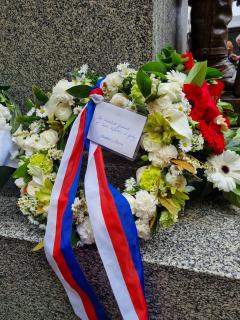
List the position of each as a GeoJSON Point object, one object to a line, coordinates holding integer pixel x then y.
{"type": "Point", "coordinates": [183, 106]}
{"type": "Point", "coordinates": [224, 171]}
{"type": "Point", "coordinates": [176, 76]}
{"type": "Point", "coordinates": [148, 144]}
{"type": "Point", "coordinates": [83, 69]}
{"type": "Point", "coordinates": [120, 100]}
{"type": "Point", "coordinates": [85, 232]}
{"type": "Point", "coordinates": [145, 205]}
{"type": "Point", "coordinates": [41, 113]}
{"type": "Point", "coordinates": [130, 184]}
{"type": "Point", "coordinates": [185, 145]}
{"type": "Point", "coordinates": [132, 201]}
{"type": "Point", "coordinates": [163, 156]}
{"type": "Point", "coordinates": [143, 229]}
{"type": "Point", "coordinates": [122, 66]}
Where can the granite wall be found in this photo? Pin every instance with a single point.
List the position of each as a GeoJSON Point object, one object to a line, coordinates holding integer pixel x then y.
{"type": "Point", "coordinates": [42, 40]}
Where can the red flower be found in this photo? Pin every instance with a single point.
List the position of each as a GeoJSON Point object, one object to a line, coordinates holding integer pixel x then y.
{"type": "Point", "coordinates": [190, 63]}
{"type": "Point", "coordinates": [205, 111]}
{"type": "Point", "coordinates": [216, 90]}
{"type": "Point", "coordinates": [96, 91]}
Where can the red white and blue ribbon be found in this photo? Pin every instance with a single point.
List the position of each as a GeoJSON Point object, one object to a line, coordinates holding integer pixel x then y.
{"type": "Point", "coordinates": [113, 227]}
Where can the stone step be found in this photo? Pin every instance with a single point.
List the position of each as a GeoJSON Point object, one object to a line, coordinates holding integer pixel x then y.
{"type": "Point", "coordinates": [192, 271]}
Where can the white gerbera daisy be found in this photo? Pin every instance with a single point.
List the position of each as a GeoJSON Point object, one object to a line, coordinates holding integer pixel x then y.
{"type": "Point", "coordinates": [224, 171]}
{"type": "Point", "coordinates": [176, 76]}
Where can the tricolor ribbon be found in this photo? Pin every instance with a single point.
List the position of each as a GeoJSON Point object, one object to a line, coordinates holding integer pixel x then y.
{"type": "Point", "coordinates": [112, 223]}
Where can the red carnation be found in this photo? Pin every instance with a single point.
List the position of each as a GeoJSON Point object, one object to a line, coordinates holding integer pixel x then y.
{"type": "Point", "coordinates": [190, 63]}
{"type": "Point", "coordinates": [216, 90]}
{"type": "Point", "coordinates": [205, 111]}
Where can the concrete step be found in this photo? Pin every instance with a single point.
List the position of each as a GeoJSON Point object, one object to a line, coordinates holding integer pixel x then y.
{"type": "Point", "coordinates": [192, 271]}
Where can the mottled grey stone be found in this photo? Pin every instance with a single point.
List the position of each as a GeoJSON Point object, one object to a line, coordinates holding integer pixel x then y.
{"type": "Point", "coordinates": [191, 271]}
{"type": "Point", "coordinates": [42, 40]}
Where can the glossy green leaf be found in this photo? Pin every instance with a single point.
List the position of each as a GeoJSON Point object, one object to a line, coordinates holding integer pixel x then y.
{"type": "Point", "coordinates": [197, 74]}
{"type": "Point", "coordinates": [80, 91]}
{"type": "Point", "coordinates": [144, 83]}
{"type": "Point", "coordinates": [39, 94]}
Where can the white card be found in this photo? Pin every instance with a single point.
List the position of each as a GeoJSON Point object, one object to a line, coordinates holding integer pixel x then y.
{"type": "Point", "coordinates": [116, 129]}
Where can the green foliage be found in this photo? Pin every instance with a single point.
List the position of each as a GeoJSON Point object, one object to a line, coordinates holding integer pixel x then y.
{"type": "Point", "coordinates": [144, 83]}
{"type": "Point", "coordinates": [29, 104]}
{"type": "Point", "coordinates": [213, 73]}
{"type": "Point", "coordinates": [21, 171]}
{"type": "Point", "coordinates": [69, 122]}
{"type": "Point", "coordinates": [80, 91]}
{"type": "Point", "coordinates": [233, 197]}
{"type": "Point", "coordinates": [197, 74]}
{"type": "Point", "coordinates": [40, 95]}
{"type": "Point", "coordinates": [27, 119]}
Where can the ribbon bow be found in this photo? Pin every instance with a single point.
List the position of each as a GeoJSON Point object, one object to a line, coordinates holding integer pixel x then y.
{"type": "Point", "coordinates": [7, 149]}
{"type": "Point", "coordinates": [112, 223]}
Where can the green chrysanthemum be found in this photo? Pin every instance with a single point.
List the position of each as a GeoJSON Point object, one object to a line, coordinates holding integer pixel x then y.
{"type": "Point", "coordinates": [42, 162]}
{"type": "Point", "coordinates": [137, 95]}
{"type": "Point", "coordinates": [44, 194]}
{"type": "Point", "coordinates": [159, 129]}
{"type": "Point", "coordinates": [150, 178]}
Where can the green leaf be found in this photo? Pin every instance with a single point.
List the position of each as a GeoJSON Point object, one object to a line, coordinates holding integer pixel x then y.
{"type": "Point", "coordinates": [80, 91]}
{"type": "Point", "coordinates": [75, 238]}
{"type": "Point", "coordinates": [29, 104]}
{"type": "Point", "coordinates": [176, 58]}
{"type": "Point", "coordinates": [197, 74]}
{"type": "Point", "coordinates": [213, 73]}
{"type": "Point", "coordinates": [22, 171]}
{"type": "Point", "coordinates": [142, 109]}
{"type": "Point", "coordinates": [27, 119]}
{"type": "Point", "coordinates": [144, 83]}
{"type": "Point", "coordinates": [4, 87]}
{"type": "Point", "coordinates": [69, 122]}
{"type": "Point", "coordinates": [154, 66]}
{"type": "Point", "coordinates": [39, 94]}
{"type": "Point", "coordinates": [233, 197]}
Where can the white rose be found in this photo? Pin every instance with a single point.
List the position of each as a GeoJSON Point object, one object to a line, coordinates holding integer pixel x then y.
{"type": "Point", "coordinates": [145, 205]}
{"type": "Point", "coordinates": [163, 156]}
{"type": "Point", "coordinates": [172, 90]}
{"type": "Point", "coordinates": [85, 232]}
{"type": "Point", "coordinates": [60, 97]}
{"type": "Point", "coordinates": [143, 229]}
{"type": "Point", "coordinates": [32, 188]}
{"type": "Point", "coordinates": [113, 81]}
{"type": "Point", "coordinates": [20, 183]}
{"type": "Point", "coordinates": [162, 105]}
{"type": "Point", "coordinates": [48, 139]}
{"type": "Point", "coordinates": [63, 113]}
{"type": "Point", "coordinates": [148, 144]}
{"type": "Point", "coordinates": [176, 181]}
{"type": "Point", "coordinates": [132, 202]}
{"type": "Point", "coordinates": [120, 100]}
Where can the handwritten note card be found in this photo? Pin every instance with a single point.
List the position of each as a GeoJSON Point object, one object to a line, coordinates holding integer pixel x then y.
{"type": "Point", "coordinates": [116, 129]}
